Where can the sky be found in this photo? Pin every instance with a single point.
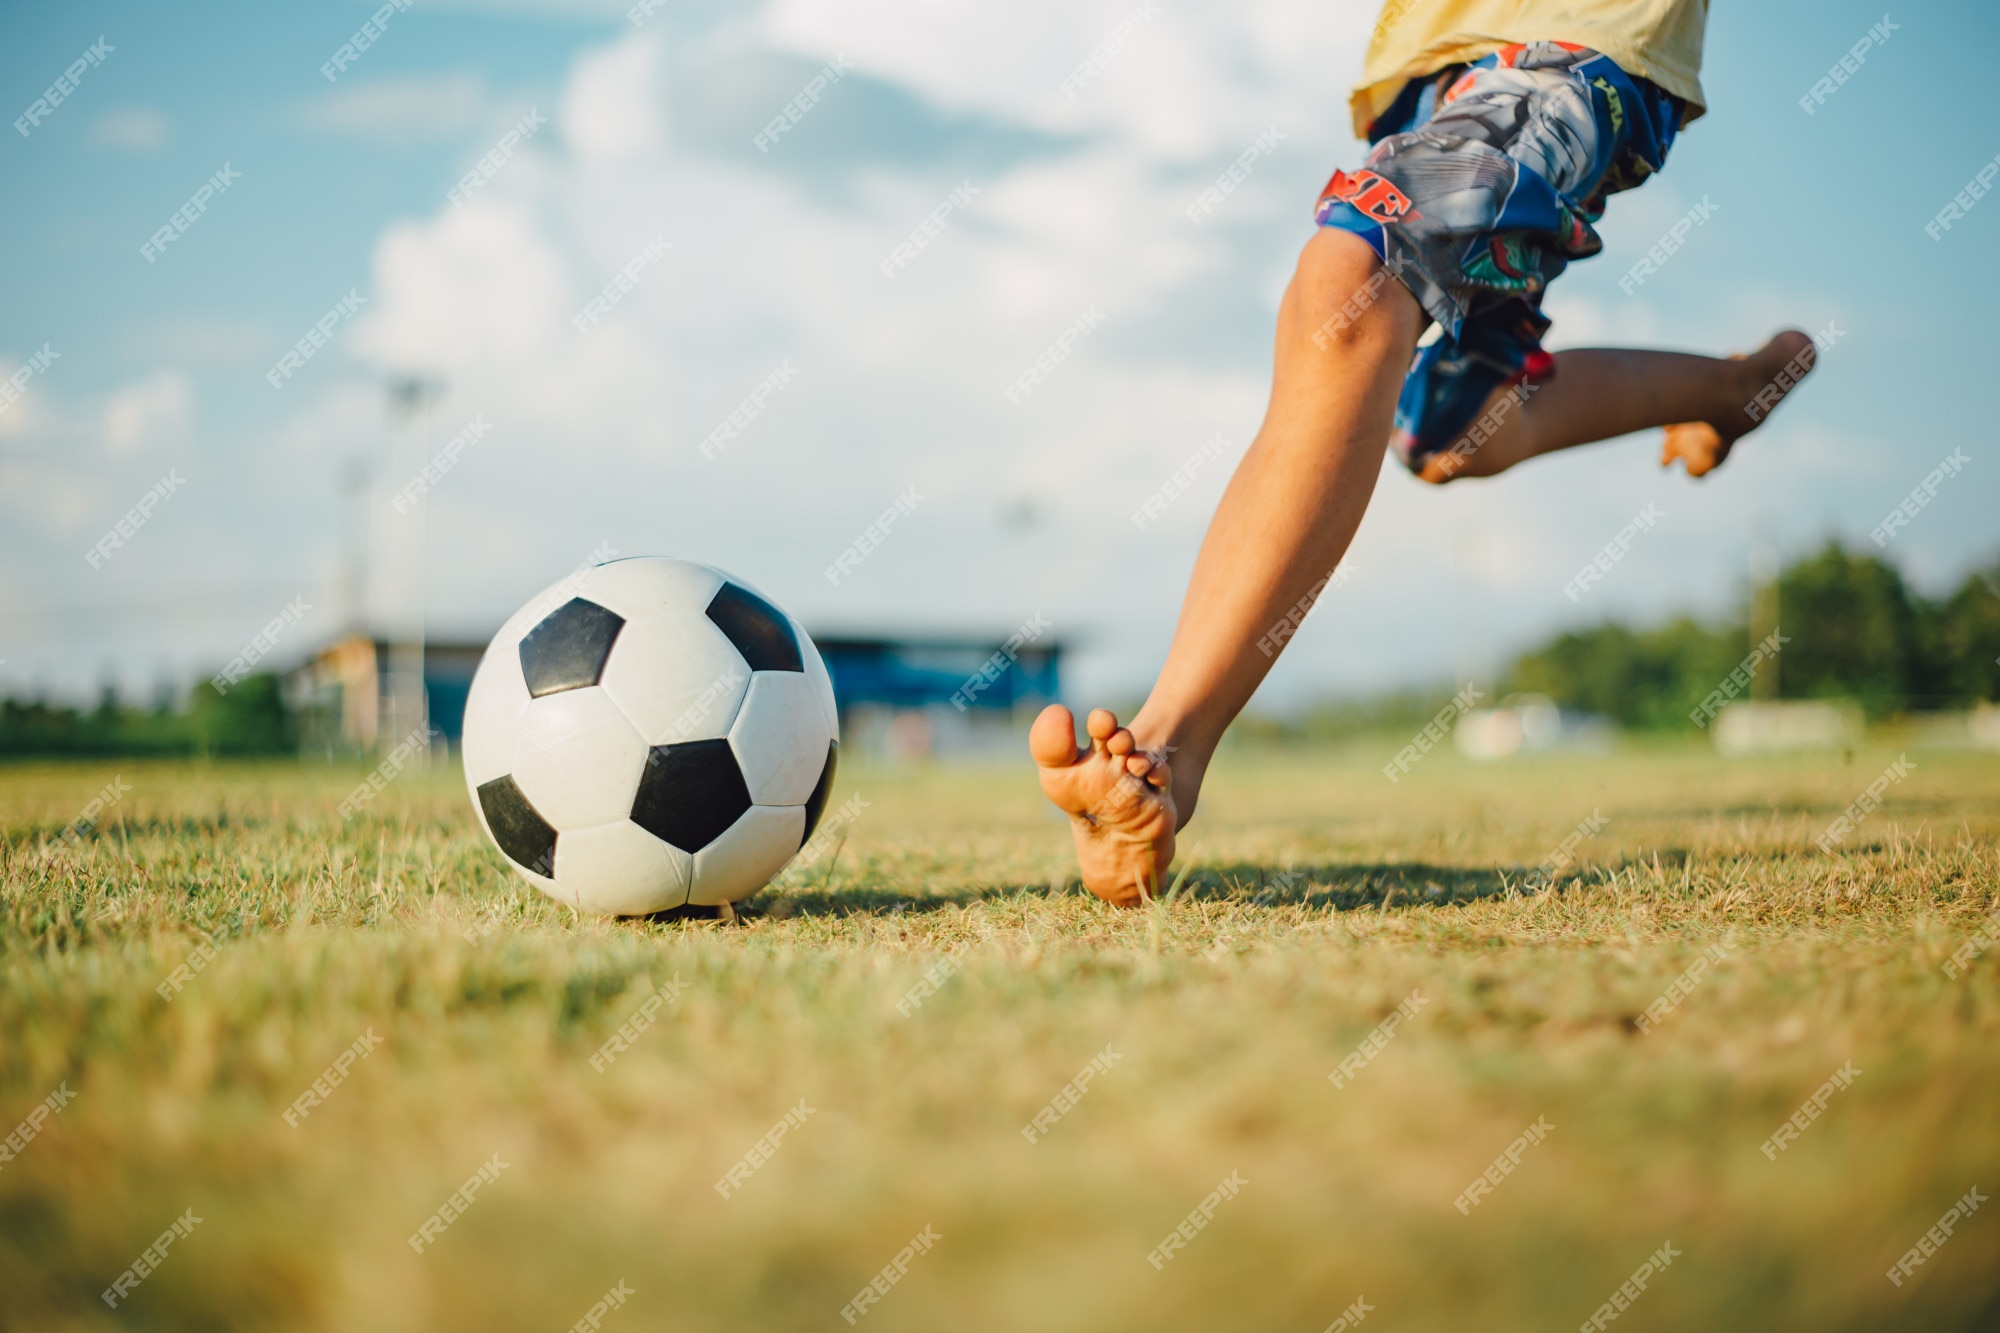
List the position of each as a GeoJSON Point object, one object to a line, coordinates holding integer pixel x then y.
{"type": "Point", "coordinates": [156, 370]}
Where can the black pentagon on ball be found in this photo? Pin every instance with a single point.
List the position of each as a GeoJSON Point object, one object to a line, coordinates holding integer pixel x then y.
{"type": "Point", "coordinates": [759, 630]}
{"type": "Point", "coordinates": [567, 651]}
{"type": "Point", "coordinates": [816, 803]}
{"type": "Point", "coordinates": [522, 833]}
{"type": "Point", "coordinates": [690, 793]}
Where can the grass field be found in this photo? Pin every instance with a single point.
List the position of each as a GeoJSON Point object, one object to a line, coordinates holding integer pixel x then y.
{"type": "Point", "coordinates": [1225, 1011]}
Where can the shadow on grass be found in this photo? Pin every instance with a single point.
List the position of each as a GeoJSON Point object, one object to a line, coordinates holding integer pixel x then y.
{"type": "Point", "coordinates": [1379, 886]}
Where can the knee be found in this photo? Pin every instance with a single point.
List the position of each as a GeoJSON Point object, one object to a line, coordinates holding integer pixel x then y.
{"type": "Point", "coordinates": [1341, 295]}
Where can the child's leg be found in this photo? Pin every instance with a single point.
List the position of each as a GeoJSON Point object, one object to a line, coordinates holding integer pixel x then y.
{"type": "Point", "coordinates": [1283, 524]}
{"type": "Point", "coordinates": [1705, 403]}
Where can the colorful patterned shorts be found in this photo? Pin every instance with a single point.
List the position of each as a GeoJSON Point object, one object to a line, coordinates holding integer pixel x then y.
{"type": "Point", "coordinates": [1481, 187]}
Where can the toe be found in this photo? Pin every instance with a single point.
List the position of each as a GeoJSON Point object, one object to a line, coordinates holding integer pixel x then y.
{"type": "Point", "coordinates": [1052, 740]}
{"type": "Point", "coordinates": [1138, 765]}
{"type": "Point", "coordinates": [1120, 743]}
{"type": "Point", "coordinates": [1785, 347]}
{"type": "Point", "coordinates": [1102, 723]}
{"type": "Point", "coordinates": [1808, 353]}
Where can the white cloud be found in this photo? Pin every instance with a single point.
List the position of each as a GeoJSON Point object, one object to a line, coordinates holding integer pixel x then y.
{"type": "Point", "coordinates": [613, 109]}
{"type": "Point", "coordinates": [900, 383]}
{"type": "Point", "coordinates": [23, 418]}
{"type": "Point", "coordinates": [148, 412]}
{"type": "Point", "coordinates": [474, 286]}
{"type": "Point", "coordinates": [1180, 85]}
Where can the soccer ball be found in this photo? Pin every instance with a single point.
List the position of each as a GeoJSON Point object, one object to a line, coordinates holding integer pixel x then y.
{"type": "Point", "coordinates": [650, 733]}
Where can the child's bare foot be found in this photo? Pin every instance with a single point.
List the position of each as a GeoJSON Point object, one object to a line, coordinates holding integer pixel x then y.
{"type": "Point", "coordinates": [1702, 445]}
{"type": "Point", "coordinates": [1117, 801]}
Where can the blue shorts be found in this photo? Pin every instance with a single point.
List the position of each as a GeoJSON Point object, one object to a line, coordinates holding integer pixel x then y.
{"type": "Point", "coordinates": [1482, 185]}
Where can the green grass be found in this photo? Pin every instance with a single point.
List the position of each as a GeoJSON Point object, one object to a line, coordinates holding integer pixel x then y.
{"type": "Point", "coordinates": [1228, 1006]}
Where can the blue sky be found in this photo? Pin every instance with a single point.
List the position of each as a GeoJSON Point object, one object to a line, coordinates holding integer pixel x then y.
{"type": "Point", "coordinates": [1075, 202]}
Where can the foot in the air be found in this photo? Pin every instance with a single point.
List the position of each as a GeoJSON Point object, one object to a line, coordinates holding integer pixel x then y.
{"type": "Point", "coordinates": [1702, 445]}
{"type": "Point", "coordinates": [1116, 797]}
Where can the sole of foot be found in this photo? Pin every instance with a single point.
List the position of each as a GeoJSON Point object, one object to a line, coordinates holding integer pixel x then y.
{"type": "Point", "coordinates": [1701, 446]}
{"type": "Point", "coordinates": [1117, 798]}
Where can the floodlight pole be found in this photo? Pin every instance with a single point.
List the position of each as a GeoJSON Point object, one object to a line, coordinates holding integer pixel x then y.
{"type": "Point", "coordinates": [411, 398]}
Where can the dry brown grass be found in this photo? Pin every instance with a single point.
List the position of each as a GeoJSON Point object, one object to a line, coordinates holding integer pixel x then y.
{"type": "Point", "coordinates": [1229, 1007]}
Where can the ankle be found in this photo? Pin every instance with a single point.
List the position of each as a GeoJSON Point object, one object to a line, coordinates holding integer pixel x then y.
{"type": "Point", "coordinates": [1151, 728]}
{"type": "Point", "coordinates": [1746, 379]}
{"type": "Point", "coordinates": [1174, 739]}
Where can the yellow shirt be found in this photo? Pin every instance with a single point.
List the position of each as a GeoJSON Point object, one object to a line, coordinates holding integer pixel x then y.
{"type": "Point", "coordinates": [1654, 39]}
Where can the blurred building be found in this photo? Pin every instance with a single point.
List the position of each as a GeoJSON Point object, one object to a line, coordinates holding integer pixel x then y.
{"type": "Point", "coordinates": [1774, 728]}
{"type": "Point", "coordinates": [1530, 724]}
{"type": "Point", "coordinates": [922, 696]}
{"type": "Point", "coordinates": [343, 699]}
{"type": "Point", "coordinates": [906, 697]}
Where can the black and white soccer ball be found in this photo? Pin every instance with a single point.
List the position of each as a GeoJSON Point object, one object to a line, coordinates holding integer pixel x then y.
{"type": "Point", "coordinates": [650, 733]}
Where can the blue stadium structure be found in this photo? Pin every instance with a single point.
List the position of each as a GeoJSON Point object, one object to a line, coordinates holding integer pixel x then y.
{"type": "Point", "coordinates": [921, 692]}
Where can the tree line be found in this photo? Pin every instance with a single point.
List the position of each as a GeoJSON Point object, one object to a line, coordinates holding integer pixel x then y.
{"type": "Point", "coordinates": [1852, 629]}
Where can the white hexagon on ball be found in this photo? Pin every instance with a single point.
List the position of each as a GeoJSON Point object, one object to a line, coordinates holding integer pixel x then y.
{"type": "Point", "coordinates": [780, 738]}
{"type": "Point", "coordinates": [621, 869]}
{"type": "Point", "coordinates": [493, 710]}
{"type": "Point", "coordinates": [744, 859]}
{"type": "Point", "coordinates": [577, 759]}
{"type": "Point", "coordinates": [647, 586]}
{"type": "Point", "coordinates": [677, 678]}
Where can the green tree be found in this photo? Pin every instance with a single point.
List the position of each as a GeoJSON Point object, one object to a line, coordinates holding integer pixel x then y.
{"type": "Point", "coordinates": [1641, 678]}
{"type": "Point", "coordinates": [251, 719]}
{"type": "Point", "coordinates": [1967, 639]}
{"type": "Point", "coordinates": [1855, 632]}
